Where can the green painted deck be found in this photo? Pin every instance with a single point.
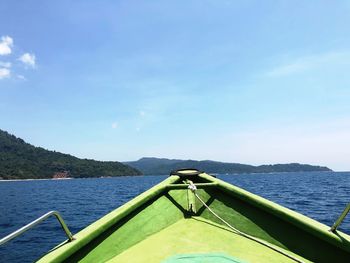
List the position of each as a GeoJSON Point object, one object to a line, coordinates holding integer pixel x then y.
{"type": "Point", "coordinates": [167, 221]}
{"type": "Point", "coordinates": [193, 236]}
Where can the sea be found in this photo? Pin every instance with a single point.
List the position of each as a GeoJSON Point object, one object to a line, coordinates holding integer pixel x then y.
{"type": "Point", "coordinates": [319, 195]}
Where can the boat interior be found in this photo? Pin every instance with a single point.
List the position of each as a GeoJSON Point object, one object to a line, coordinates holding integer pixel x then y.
{"type": "Point", "coordinates": [211, 221]}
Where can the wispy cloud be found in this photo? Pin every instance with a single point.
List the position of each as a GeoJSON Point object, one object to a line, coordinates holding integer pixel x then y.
{"type": "Point", "coordinates": [28, 59]}
{"type": "Point", "coordinates": [306, 63]}
{"type": "Point", "coordinates": [5, 45]}
{"type": "Point", "coordinates": [21, 77]}
{"type": "Point", "coordinates": [114, 125]}
{"type": "Point", "coordinates": [142, 113]}
{"type": "Point", "coordinates": [5, 64]}
{"type": "Point", "coordinates": [4, 73]}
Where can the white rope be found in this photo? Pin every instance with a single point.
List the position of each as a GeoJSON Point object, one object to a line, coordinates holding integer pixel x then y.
{"type": "Point", "coordinates": [193, 188]}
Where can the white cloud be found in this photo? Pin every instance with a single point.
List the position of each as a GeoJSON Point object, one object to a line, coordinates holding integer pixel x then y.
{"type": "Point", "coordinates": [288, 69]}
{"type": "Point", "coordinates": [5, 45]}
{"type": "Point", "coordinates": [305, 63]}
{"type": "Point", "coordinates": [21, 77]}
{"type": "Point", "coordinates": [5, 64]}
{"type": "Point", "coordinates": [114, 125]}
{"type": "Point", "coordinates": [28, 59]}
{"type": "Point", "coordinates": [142, 113]}
{"type": "Point", "coordinates": [4, 73]}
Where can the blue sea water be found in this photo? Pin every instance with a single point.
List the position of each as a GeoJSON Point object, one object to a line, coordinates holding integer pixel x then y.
{"type": "Point", "coordinates": [321, 196]}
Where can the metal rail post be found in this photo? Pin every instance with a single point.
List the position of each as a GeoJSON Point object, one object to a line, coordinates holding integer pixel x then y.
{"type": "Point", "coordinates": [36, 222]}
{"type": "Point", "coordinates": [341, 218]}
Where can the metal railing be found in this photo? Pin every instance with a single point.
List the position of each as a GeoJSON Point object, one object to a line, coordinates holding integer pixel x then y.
{"type": "Point", "coordinates": [341, 218]}
{"type": "Point", "coordinates": [36, 222]}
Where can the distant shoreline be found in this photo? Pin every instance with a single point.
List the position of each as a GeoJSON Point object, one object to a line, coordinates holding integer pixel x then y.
{"type": "Point", "coordinates": [35, 179]}
{"type": "Point", "coordinates": [145, 175]}
{"type": "Point", "coordinates": [154, 165]}
{"type": "Point", "coordinates": [18, 180]}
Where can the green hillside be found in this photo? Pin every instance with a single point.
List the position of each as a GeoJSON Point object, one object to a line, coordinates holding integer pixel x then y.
{"type": "Point", "coordinates": [20, 160]}
{"type": "Point", "coordinates": [165, 166]}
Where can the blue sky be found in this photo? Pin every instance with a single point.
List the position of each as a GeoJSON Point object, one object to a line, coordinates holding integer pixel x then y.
{"type": "Point", "coordinates": [240, 81]}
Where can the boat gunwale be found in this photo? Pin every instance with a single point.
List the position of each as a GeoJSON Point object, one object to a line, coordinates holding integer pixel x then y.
{"type": "Point", "coordinates": [86, 235]}
{"type": "Point", "coordinates": [89, 233]}
{"type": "Point", "coordinates": [301, 221]}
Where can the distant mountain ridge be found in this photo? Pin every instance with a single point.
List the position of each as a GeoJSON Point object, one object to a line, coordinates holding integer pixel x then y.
{"type": "Point", "coordinates": [21, 160]}
{"type": "Point", "coordinates": [152, 165]}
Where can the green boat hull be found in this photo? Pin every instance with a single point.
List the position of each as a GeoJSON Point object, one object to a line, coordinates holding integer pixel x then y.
{"type": "Point", "coordinates": [168, 223]}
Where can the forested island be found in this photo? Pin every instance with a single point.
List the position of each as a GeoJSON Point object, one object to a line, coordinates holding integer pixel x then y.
{"type": "Point", "coordinates": [21, 160]}
{"type": "Point", "coordinates": [165, 166]}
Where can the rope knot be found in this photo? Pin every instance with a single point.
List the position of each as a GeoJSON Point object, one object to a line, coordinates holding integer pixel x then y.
{"type": "Point", "coordinates": [192, 187]}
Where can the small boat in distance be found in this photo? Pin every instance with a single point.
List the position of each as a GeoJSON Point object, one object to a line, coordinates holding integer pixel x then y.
{"type": "Point", "coordinates": [194, 217]}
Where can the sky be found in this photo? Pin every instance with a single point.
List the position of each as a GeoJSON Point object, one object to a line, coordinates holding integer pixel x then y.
{"type": "Point", "coordinates": [255, 82]}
